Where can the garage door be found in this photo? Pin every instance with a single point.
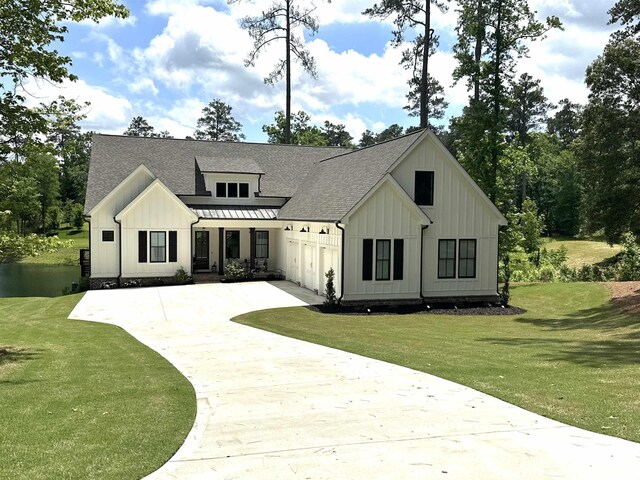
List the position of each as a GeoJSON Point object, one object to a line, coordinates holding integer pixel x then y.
{"type": "Point", "coordinates": [309, 267]}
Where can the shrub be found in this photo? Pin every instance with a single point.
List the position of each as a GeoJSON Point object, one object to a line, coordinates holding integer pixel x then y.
{"type": "Point", "coordinates": [505, 295]}
{"type": "Point", "coordinates": [77, 216]}
{"type": "Point", "coordinates": [236, 271]}
{"type": "Point", "coordinates": [330, 290]}
{"type": "Point", "coordinates": [181, 277]}
{"type": "Point", "coordinates": [630, 259]}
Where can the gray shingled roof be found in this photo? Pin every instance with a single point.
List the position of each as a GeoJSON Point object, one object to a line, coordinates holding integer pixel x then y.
{"type": "Point", "coordinates": [336, 185]}
{"type": "Point", "coordinates": [114, 157]}
{"type": "Point", "coordinates": [229, 165]}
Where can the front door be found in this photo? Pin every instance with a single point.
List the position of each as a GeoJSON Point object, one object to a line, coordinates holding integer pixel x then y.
{"type": "Point", "coordinates": [202, 250]}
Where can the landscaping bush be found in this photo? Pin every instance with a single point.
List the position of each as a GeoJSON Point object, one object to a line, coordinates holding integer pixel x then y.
{"type": "Point", "coordinates": [181, 277]}
{"type": "Point", "coordinates": [235, 271]}
{"type": "Point", "coordinates": [630, 259]}
{"type": "Point", "coordinates": [330, 290]}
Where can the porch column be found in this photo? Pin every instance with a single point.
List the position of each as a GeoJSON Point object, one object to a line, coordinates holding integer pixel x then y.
{"type": "Point", "coordinates": [220, 250]}
{"type": "Point", "coordinates": [252, 247]}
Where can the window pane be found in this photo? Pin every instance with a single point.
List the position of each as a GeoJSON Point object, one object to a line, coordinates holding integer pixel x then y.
{"type": "Point", "coordinates": [446, 258]}
{"type": "Point", "coordinates": [244, 190]}
{"type": "Point", "coordinates": [467, 265]}
{"type": "Point", "coordinates": [221, 189]}
{"type": "Point", "coordinates": [383, 259]}
{"type": "Point", "coordinates": [233, 244]}
{"type": "Point", "coordinates": [107, 236]}
{"type": "Point", "coordinates": [424, 188]}
{"type": "Point", "coordinates": [262, 244]}
{"type": "Point", "coordinates": [157, 246]}
{"type": "Point", "coordinates": [232, 190]}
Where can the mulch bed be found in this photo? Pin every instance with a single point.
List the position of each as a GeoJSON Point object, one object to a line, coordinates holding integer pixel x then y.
{"type": "Point", "coordinates": [436, 309]}
{"type": "Point", "coordinates": [625, 296]}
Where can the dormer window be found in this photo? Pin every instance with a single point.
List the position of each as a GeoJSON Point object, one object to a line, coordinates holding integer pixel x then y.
{"type": "Point", "coordinates": [232, 190]}
{"type": "Point", "coordinates": [424, 188]}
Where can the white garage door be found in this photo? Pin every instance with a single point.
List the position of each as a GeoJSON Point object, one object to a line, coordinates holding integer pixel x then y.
{"type": "Point", "coordinates": [292, 261]}
{"type": "Point", "coordinates": [328, 260]}
{"type": "Point", "coordinates": [309, 267]}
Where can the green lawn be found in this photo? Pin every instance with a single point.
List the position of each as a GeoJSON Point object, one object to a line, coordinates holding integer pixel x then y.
{"type": "Point", "coordinates": [583, 252]}
{"type": "Point", "coordinates": [64, 256]}
{"type": "Point", "coordinates": [83, 400]}
{"type": "Point", "coordinates": [571, 357]}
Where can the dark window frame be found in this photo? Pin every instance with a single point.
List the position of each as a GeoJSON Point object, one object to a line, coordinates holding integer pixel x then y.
{"type": "Point", "coordinates": [260, 246]}
{"type": "Point", "coordinates": [108, 236]}
{"type": "Point", "coordinates": [158, 248]}
{"type": "Point", "coordinates": [467, 259]}
{"type": "Point", "coordinates": [226, 244]}
{"type": "Point", "coordinates": [232, 192]}
{"type": "Point", "coordinates": [142, 246]}
{"type": "Point", "coordinates": [173, 246]}
{"type": "Point", "coordinates": [381, 275]}
{"type": "Point", "coordinates": [424, 187]}
{"type": "Point", "coordinates": [221, 189]}
{"type": "Point", "coordinates": [243, 190]}
{"type": "Point", "coordinates": [447, 259]}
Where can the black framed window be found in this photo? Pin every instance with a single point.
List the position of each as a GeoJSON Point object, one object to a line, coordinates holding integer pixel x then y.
{"type": "Point", "coordinates": [108, 236]}
{"type": "Point", "coordinates": [262, 244]}
{"type": "Point", "coordinates": [232, 190]}
{"type": "Point", "coordinates": [367, 259]}
{"type": "Point", "coordinates": [157, 247]}
{"type": "Point", "coordinates": [467, 259]}
{"type": "Point", "coordinates": [424, 188]}
{"type": "Point", "coordinates": [221, 189]}
{"type": "Point", "coordinates": [142, 246]}
{"type": "Point", "coordinates": [232, 244]}
{"type": "Point", "coordinates": [244, 190]}
{"type": "Point", "coordinates": [398, 259]}
{"type": "Point", "coordinates": [383, 259]}
{"type": "Point", "coordinates": [447, 259]}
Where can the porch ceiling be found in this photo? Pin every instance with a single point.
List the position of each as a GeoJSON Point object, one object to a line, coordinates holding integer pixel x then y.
{"type": "Point", "coordinates": [211, 212]}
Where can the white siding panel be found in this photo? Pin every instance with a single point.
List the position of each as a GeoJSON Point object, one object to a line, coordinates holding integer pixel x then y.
{"type": "Point", "coordinates": [157, 211]}
{"type": "Point", "coordinates": [459, 212]}
{"type": "Point", "coordinates": [104, 255]}
{"type": "Point", "coordinates": [385, 215]}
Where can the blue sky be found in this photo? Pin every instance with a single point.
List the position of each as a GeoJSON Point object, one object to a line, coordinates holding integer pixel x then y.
{"type": "Point", "coordinates": [171, 57]}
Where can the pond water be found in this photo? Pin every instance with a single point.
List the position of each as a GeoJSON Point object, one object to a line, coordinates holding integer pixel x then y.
{"type": "Point", "coordinates": [24, 280]}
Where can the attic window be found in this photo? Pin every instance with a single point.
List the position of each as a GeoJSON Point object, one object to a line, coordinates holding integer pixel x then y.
{"type": "Point", "coordinates": [424, 188]}
{"type": "Point", "coordinates": [221, 189]}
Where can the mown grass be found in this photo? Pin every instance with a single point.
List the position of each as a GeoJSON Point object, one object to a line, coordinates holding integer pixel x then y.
{"type": "Point", "coordinates": [83, 400]}
{"type": "Point", "coordinates": [583, 252]}
{"type": "Point", "coordinates": [571, 357]}
{"type": "Point", "coordinates": [64, 256]}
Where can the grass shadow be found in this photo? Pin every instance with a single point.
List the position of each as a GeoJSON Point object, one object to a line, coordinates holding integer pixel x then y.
{"type": "Point", "coordinates": [13, 355]}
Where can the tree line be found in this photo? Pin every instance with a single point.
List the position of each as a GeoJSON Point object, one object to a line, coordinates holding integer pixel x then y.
{"type": "Point", "coordinates": [573, 168]}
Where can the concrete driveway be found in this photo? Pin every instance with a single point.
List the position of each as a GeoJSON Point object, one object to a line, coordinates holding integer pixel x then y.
{"type": "Point", "coordinates": [271, 407]}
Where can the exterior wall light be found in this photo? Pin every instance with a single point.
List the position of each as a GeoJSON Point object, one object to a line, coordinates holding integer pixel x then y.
{"type": "Point", "coordinates": [288, 228]}
{"type": "Point", "coordinates": [304, 229]}
{"type": "Point", "coordinates": [324, 231]}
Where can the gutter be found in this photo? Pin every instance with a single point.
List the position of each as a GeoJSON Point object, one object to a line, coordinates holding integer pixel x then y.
{"type": "Point", "coordinates": [87, 218]}
{"type": "Point", "coordinates": [342, 264]}
{"type": "Point", "coordinates": [423, 228]}
{"type": "Point", "coordinates": [119, 278]}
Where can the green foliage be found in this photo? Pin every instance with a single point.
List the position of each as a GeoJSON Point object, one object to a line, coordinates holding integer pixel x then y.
{"type": "Point", "coordinates": [43, 168]}
{"type": "Point", "coordinates": [140, 127]}
{"type": "Point", "coordinates": [301, 132]}
{"type": "Point", "coordinates": [505, 294]}
{"type": "Point", "coordinates": [13, 247]}
{"type": "Point", "coordinates": [370, 138]}
{"type": "Point", "coordinates": [77, 216]}
{"type": "Point", "coordinates": [565, 123]}
{"type": "Point", "coordinates": [217, 123]}
{"type": "Point", "coordinates": [27, 32]}
{"type": "Point", "coordinates": [330, 290]}
{"type": "Point", "coordinates": [337, 135]}
{"type": "Point", "coordinates": [181, 277]}
{"type": "Point", "coordinates": [526, 108]}
{"type": "Point", "coordinates": [608, 150]}
{"type": "Point", "coordinates": [235, 271]}
{"type": "Point", "coordinates": [630, 259]}
{"type": "Point", "coordinates": [626, 13]}
{"type": "Point", "coordinates": [532, 225]}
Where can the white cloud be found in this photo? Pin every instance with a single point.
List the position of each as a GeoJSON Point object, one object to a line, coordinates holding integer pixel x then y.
{"type": "Point", "coordinates": [107, 113]}
{"type": "Point", "coordinates": [107, 22]}
{"type": "Point", "coordinates": [143, 85]}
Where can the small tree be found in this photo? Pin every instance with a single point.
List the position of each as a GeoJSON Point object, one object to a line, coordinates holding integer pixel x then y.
{"type": "Point", "coordinates": [504, 293]}
{"type": "Point", "coordinates": [330, 290]}
{"type": "Point", "coordinates": [77, 216]}
{"type": "Point", "coordinates": [217, 123]}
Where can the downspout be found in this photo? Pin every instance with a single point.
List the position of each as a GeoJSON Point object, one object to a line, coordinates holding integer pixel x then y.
{"type": "Point", "coordinates": [191, 240]}
{"type": "Point", "coordinates": [87, 218]}
{"type": "Point", "coordinates": [423, 228]}
{"type": "Point", "coordinates": [119, 278]}
{"type": "Point", "coordinates": [342, 264]}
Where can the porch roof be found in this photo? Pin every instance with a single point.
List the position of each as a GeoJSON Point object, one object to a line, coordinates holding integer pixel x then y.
{"type": "Point", "coordinates": [212, 212]}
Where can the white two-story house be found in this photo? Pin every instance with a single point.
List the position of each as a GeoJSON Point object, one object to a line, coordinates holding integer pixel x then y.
{"type": "Point", "coordinates": [398, 221]}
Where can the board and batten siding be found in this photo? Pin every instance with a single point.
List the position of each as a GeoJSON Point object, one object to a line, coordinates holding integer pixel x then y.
{"type": "Point", "coordinates": [459, 211]}
{"type": "Point", "coordinates": [384, 215]}
{"type": "Point", "coordinates": [104, 255]}
{"type": "Point", "coordinates": [156, 211]}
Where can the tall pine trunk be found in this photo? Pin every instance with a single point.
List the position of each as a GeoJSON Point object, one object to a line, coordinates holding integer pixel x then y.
{"type": "Point", "coordinates": [497, 89]}
{"type": "Point", "coordinates": [424, 80]}
{"type": "Point", "coordinates": [478, 51]}
{"type": "Point", "coordinates": [287, 121]}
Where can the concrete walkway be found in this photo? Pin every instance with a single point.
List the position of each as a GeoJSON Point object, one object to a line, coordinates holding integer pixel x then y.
{"type": "Point", "coordinates": [270, 407]}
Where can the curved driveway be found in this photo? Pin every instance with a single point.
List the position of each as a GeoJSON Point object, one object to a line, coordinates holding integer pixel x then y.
{"type": "Point", "coordinates": [270, 407]}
